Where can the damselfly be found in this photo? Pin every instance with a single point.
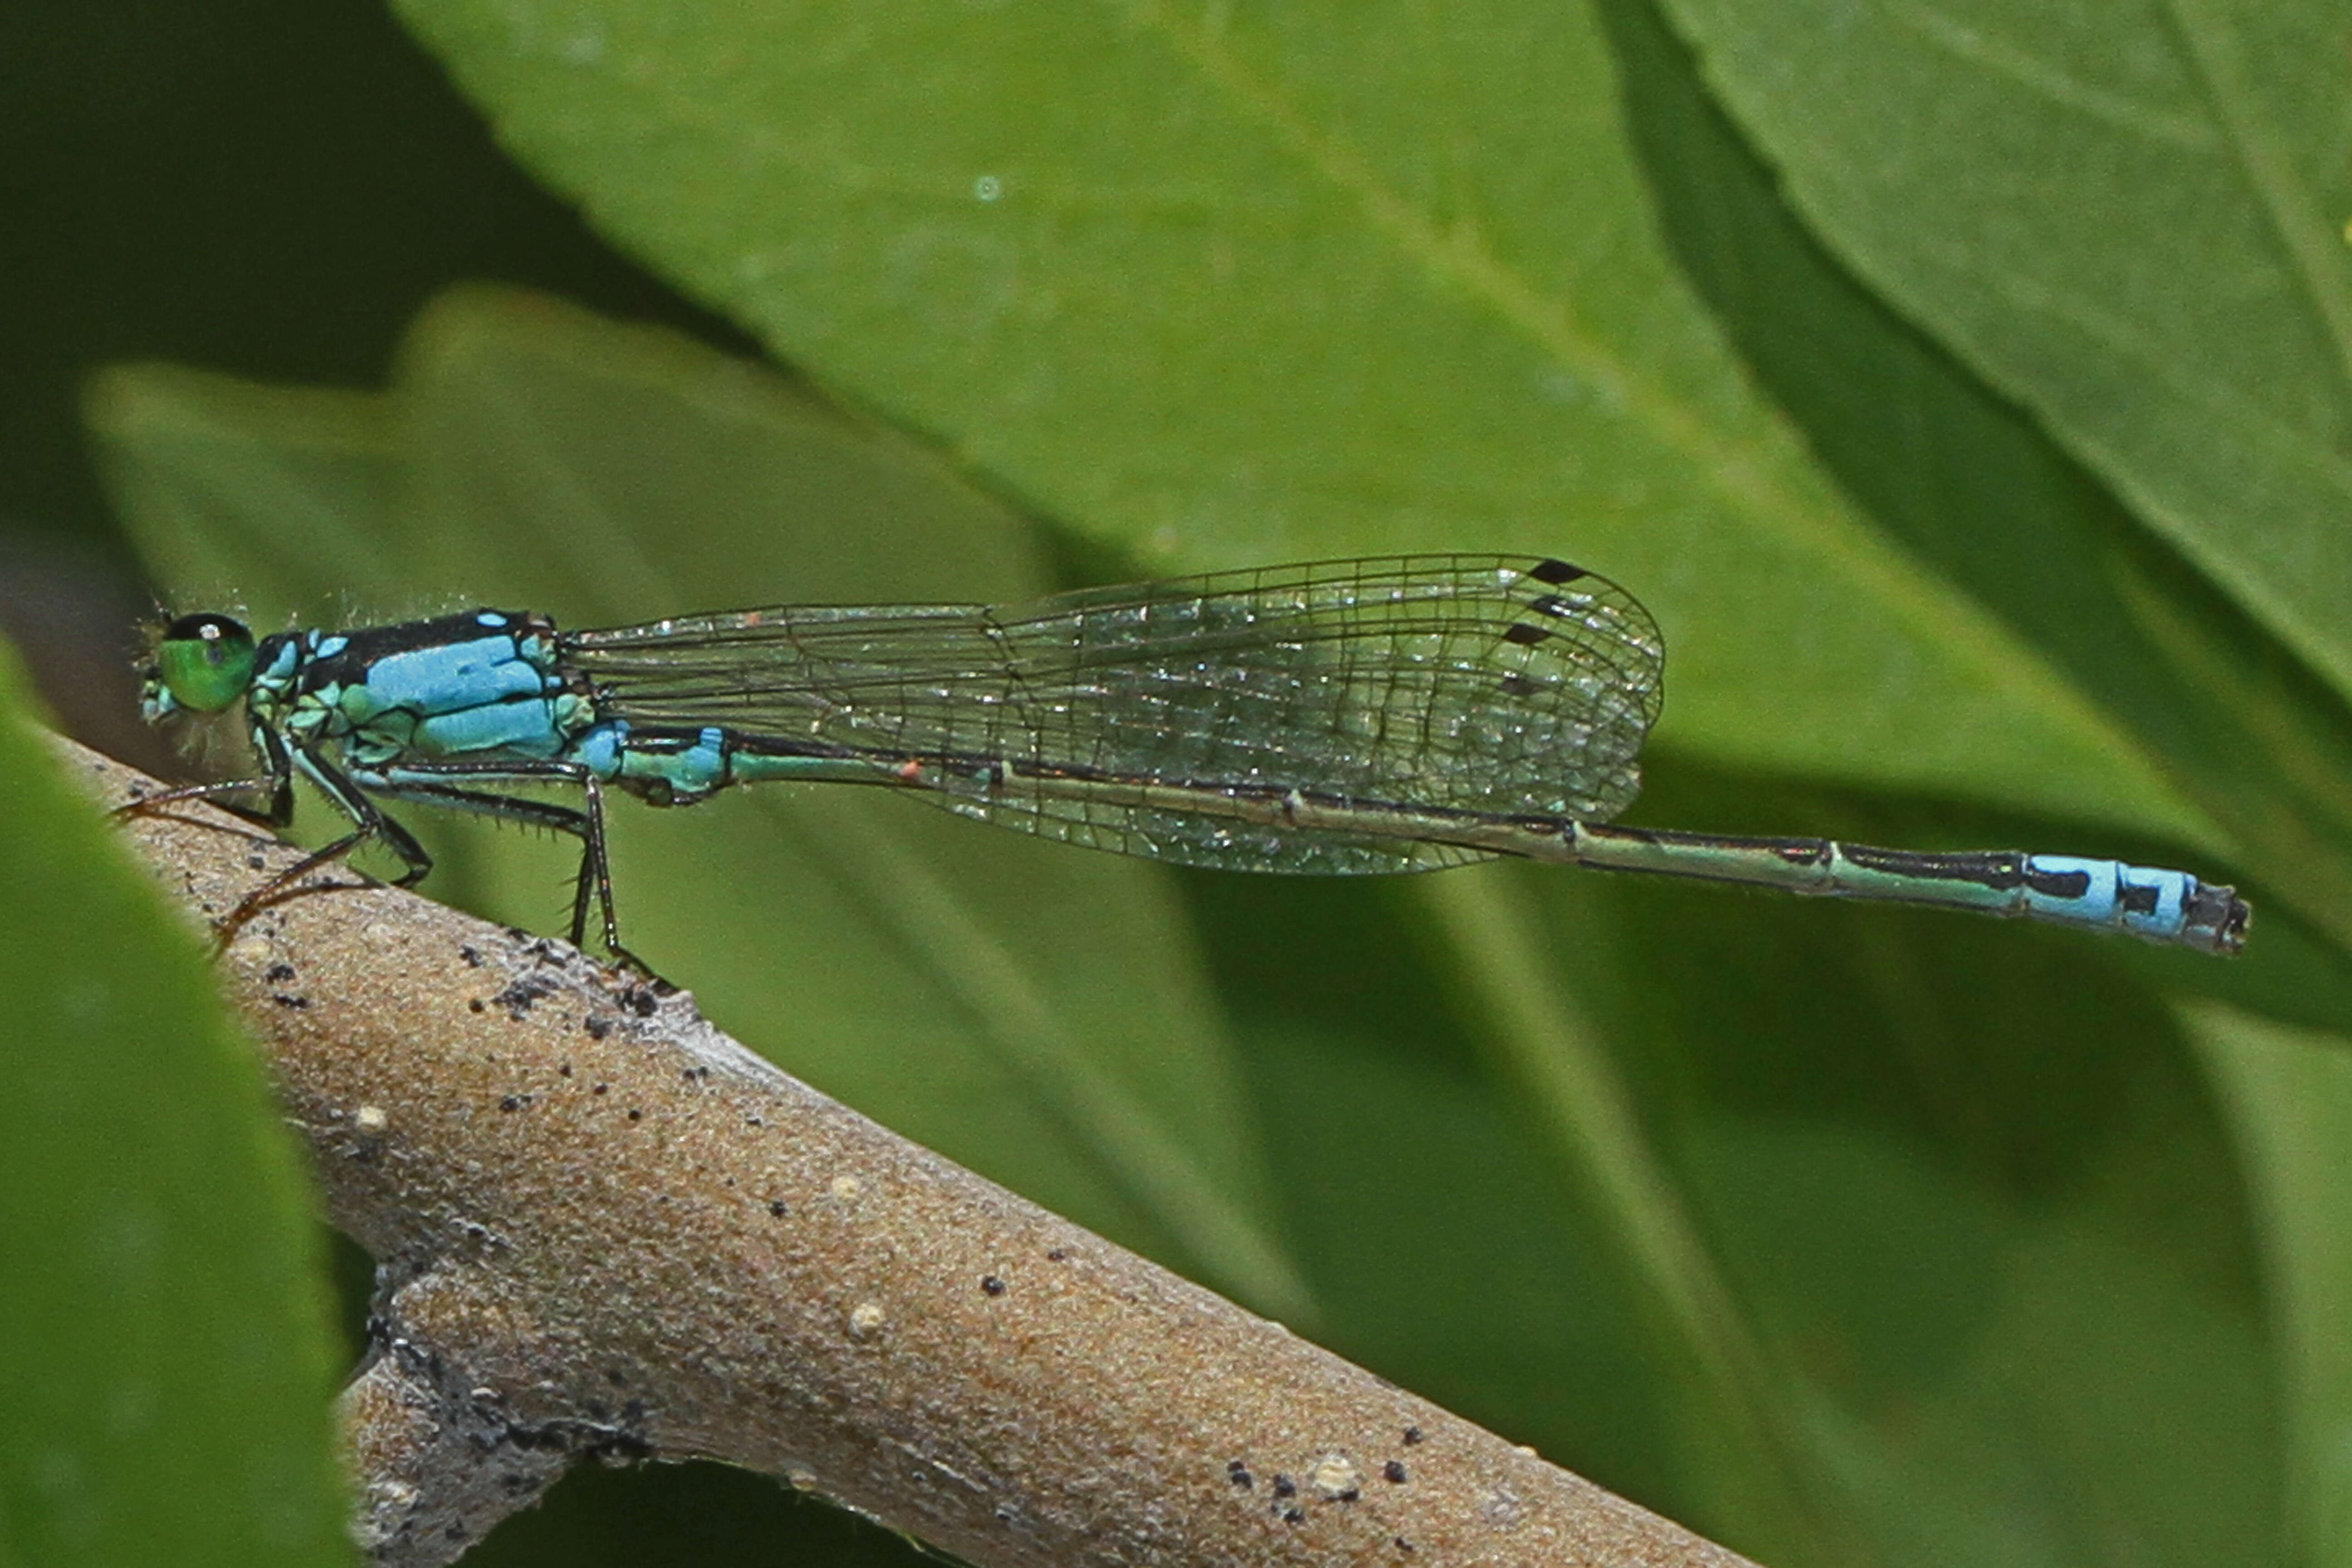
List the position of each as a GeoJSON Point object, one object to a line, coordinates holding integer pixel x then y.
{"type": "Point", "coordinates": [1393, 714]}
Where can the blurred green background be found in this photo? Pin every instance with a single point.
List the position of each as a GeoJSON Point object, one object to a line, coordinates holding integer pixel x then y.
{"type": "Point", "coordinates": [1967, 410]}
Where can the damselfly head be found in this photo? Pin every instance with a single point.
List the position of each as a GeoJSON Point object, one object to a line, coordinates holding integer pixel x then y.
{"type": "Point", "coordinates": [203, 664]}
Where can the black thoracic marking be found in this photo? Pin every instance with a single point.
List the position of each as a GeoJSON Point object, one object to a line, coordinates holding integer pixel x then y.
{"type": "Point", "coordinates": [1555, 572]}
{"type": "Point", "coordinates": [1524, 635]}
{"type": "Point", "coordinates": [2138, 898]}
{"type": "Point", "coordinates": [2000, 869]}
{"type": "Point", "coordinates": [366, 646]}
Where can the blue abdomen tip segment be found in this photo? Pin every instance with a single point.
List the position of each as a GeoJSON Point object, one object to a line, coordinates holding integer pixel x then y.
{"type": "Point", "coordinates": [2145, 901]}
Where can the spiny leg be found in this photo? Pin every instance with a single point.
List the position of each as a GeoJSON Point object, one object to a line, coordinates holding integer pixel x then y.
{"type": "Point", "coordinates": [424, 782]}
{"type": "Point", "coordinates": [368, 822]}
{"type": "Point", "coordinates": [278, 783]}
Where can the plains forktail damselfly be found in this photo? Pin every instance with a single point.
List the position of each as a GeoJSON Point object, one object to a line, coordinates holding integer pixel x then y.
{"type": "Point", "coordinates": [1390, 714]}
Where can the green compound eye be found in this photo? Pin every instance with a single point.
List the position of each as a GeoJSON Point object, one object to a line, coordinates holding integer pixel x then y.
{"type": "Point", "coordinates": [204, 662]}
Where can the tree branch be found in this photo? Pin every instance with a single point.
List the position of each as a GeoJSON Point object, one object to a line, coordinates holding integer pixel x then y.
{"type": "Point", "coordinates": [604, 1228]}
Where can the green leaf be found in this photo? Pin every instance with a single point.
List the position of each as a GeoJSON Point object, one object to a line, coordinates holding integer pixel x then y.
{"type": "Point", "coordinates": [2289, 1093]}
{"type": "Point", "coordinates": [2131, 220]}
{"type": "Point", "coordinates": [1229, 286]}
{"type": "Point", "coordinates": [166, 1359]}
{"type": "Point", "coordinates": [180, 461]}
{"type": "Point", "coordinates": [2131, 217]}
{"type": "Point", "coordinates": [1956, 1199]}
{"type": "Point", "coordinates": [1974, 1354]}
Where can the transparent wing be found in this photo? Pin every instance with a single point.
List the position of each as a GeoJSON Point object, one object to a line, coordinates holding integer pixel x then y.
{"type": "Point", "coordinates": [1492, 684]}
